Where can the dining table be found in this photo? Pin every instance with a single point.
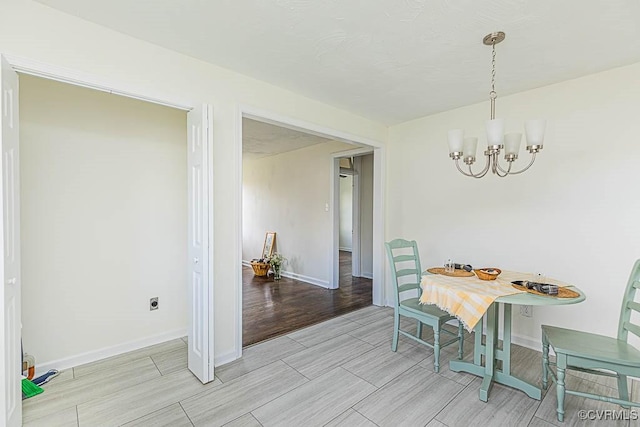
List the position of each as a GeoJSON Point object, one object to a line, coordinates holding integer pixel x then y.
{"type": "Point", "coordinates": [471, 299]}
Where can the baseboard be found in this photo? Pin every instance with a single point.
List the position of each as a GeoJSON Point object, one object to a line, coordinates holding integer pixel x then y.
{"type": "Point", "coordinates": [307, 279]}
{"type": "Point", "coordinates": [103, 353]}
{"type": "Point", "coordinates": [528, 342]}
{"type": "Point", "coordinates": [344, 249]}
{"type": "Point", "coordinates": [300, 277]}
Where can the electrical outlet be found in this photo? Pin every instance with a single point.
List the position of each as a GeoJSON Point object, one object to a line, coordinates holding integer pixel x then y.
{"type": "Point", "coordinates": [526, 310]}
{"type": "Point", "coordinates": [153, 303]}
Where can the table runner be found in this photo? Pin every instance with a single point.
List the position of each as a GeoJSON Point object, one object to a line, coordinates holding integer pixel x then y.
{"type": "Point", "coordinates": [467, 298]}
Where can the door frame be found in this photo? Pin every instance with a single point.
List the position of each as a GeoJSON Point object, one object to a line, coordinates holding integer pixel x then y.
{"type": "Point", "coordinates": [68, 76]}
{"type": "Point", "coordinates": [65, 75]}
{"type": "Point", "coordinates": [335, 219]}
{"type": "Point", "coordinates": [379, 153]}
{"type": "Point", "coordinates": [355, 211]}
{"type": "Point", "coordinates": [356, 238]}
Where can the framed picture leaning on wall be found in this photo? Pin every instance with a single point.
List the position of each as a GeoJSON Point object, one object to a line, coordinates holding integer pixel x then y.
{"type": "Point", "coordinates": [269, 244]}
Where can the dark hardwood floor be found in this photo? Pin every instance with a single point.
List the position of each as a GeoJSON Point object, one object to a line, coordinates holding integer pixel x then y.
{"type": "Point", "coordinates": [271, 308]}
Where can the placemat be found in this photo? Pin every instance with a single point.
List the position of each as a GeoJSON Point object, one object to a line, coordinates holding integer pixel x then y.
{"type": "Point", "coordinates": [456, 272]}
{"type": "Point", "coordinates": [563, 292]}
{"type": "Point", "coordinates": [467, 298]}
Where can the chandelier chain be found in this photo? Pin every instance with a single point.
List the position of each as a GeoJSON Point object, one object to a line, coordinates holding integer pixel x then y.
{"type": "Point", "coordinates": [493, 71]}
{"type": "Point", "coordinates": [493, 95]}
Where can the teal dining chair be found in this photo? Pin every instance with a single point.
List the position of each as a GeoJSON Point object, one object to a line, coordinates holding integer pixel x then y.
{"type": "Point", "coordinates": [595, 354]}
{"type": "Point", "coordinates": [406, 275]}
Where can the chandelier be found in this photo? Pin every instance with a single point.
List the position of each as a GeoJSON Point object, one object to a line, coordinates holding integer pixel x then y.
{"type": "Point", "coordinates": [465, 148]}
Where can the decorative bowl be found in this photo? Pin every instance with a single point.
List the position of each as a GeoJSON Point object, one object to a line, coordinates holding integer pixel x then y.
{"type": "Point", "coordinates": [488, 273]}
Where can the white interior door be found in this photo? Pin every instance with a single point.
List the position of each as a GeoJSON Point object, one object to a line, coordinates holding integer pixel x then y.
{"type": "Point", "coordinates": [10, 366]}
{"type": "Point", "coordinates": [200, 353]}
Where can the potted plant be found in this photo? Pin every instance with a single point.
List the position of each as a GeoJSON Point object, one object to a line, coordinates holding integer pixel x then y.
{"type": "Point", "coordinates": [276, 261]}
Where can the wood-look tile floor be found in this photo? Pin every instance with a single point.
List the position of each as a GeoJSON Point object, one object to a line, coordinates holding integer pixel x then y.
{"type": "Point", "coordinates": [341, 372]}
{"type": "Point", "coordinates": [272, 308]}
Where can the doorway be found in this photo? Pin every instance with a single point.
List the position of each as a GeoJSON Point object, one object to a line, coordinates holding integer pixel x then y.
{"type": "Point", "coordinates": [288, 171]}
{"type": "Point", "coordinates": [355, 211]}
{"type": "Point", "coordinates": [104, 171]}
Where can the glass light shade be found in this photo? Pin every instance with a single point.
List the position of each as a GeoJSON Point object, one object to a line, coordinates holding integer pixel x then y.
{"type": "Point", "coordinates": [495, 132]}
{"type": "Point", "coordinates": [535, 131]}
{"type": "Point", "coordinates": [456, 137]}
{"type": "Point", "coordinates": [512, 143]}
{"type": "Point", "coordinates": [469, 147]}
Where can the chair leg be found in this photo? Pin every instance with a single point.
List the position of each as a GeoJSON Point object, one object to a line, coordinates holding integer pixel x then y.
{"type": "Point", "coordinates": [545, 364]}
{"type": "Point", "coordinates": [561, 365]}
{"type": "Point", "coordinates": [396, 328]}
{"type": "Point", "coordinates": [436, 348]}
{"type": "Point", "coordinates": [623, 391]}
{"type": "Point", "coordinates": [419, 330]}
{"type": "Point", "coordinates": [460, 339]}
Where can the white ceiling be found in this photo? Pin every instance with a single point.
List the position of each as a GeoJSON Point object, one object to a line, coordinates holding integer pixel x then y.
{"type": "Point", "coordinates": [388, 60]}
{"type": "Point", "coordinates": [263, 139]}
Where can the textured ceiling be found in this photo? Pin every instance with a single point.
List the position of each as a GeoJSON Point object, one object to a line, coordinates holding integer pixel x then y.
{"type": "Point", "coordinates": [388, 60]}
{"type": "Point", "coordinates": [263, 139]}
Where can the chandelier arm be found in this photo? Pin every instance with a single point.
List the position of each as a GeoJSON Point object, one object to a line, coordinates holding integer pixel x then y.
{"type": "Point", "coordinates": [533, 159]}
{"type": "Point", "coordinates": [486, 167]}
{"type": "Point", "coordinates": [504, 172]}
{"type": "Point", "coordinates": [480, 174]}
{"type": "Point", "coordinates": [463, 172]}
{"type": "Point", "coordinates": [470, 173]}
{"type": "Point", "coordinates": [483, 173]}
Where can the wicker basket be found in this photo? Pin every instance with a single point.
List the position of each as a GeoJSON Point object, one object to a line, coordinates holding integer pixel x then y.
{"type": "Point", "coordinates": [260, 268]}
{"type": "Point", "coordinates": [484, 275]}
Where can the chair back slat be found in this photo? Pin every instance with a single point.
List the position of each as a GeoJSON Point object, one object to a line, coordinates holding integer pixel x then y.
{"type": "Point", "coordinates": [403, 258]}
{"type": "Point", "coordinates": [629, 304]}
{"type": "Point", "coordinates": [634, 329]}
{"type": "Point", "coordinates": [406, 272]}
{"type": "Point", "coordinates": [404, 261]}
{"type": "Point", "coordinates": [634, 306]}
{"type": "Point", "coordinates": [408, 287]}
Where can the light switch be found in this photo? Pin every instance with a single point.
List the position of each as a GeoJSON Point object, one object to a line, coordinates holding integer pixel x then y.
{"type": "Point", "coordinates": [326, 207]}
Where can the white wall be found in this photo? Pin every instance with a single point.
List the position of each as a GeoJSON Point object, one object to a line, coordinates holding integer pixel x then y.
{"type": "Point", "coordinates": [573, 215]}
{"type": "Point", "coordinates": [38, 33]}
{"type": "Point", "coordinates": [346, 213]}
{"type": "Point", "coordinates": [366, 215]}
{"type": "Point", "coordinates": [288, 193]}
{"type": "Point", "coordinates": [103, 211]}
